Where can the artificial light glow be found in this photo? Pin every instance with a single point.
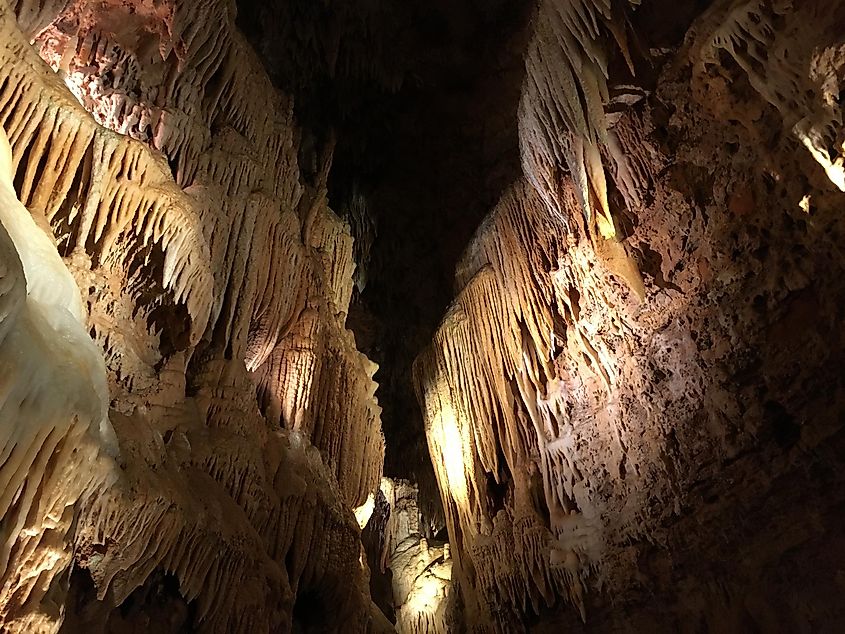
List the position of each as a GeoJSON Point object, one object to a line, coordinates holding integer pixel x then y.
{"type": "Point", "coordinates": [452, 450]}
{"type": "Point", "coordinates": [427, 594]}
{"type": "Point", "coordinates": [423, 608]}
{"type": "Point", "coordinates": [805, 203]}
{"type": "Point", "coordinates": [365, 511]}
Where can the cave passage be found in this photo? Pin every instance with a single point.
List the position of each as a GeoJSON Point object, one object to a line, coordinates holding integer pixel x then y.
{"type": "Point", "coordinates": [419, 161]}
{"type": "Point", "coordinates": [422, 317]}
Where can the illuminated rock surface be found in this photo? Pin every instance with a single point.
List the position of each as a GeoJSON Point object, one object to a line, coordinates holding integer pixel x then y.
{"type": "Point", "coordinates": [641, 416]}
{"type": "Point", "coordinates": [207, 285]}
{"type": "Point", "coordinates": [592, 247]}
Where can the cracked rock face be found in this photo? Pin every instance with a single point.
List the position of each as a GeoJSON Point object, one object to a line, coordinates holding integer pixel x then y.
{"type": "Point", "coordinates": [632, 405]}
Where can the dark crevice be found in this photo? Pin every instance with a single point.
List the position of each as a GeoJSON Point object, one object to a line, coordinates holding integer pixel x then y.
{"type": "Point", "coordinates": [423, 106]}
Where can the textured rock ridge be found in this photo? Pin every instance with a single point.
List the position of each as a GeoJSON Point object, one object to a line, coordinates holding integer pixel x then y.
{"type": "Point", "coordinates": [216, 281]}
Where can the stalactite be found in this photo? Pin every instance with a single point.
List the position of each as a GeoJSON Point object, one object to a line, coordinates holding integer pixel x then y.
{"type": "Point", "coordinates": [363, 227]}
{"type": "Point", "coordinates": [562, 124]}
{"type": "Point", "coordinates": [180, 219]}
{"type": "Point", "coordinates": [561, 117]}
{"type": "Point", "coordinates": [492, 417]}
{"type": "Point", "coordinates": [180, 397]}
{"type": "Point", "coordinates": [575, 396]}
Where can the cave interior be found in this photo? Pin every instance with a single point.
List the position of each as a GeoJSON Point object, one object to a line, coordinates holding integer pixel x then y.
{"type": "Point", "coordinates": [478, 316]}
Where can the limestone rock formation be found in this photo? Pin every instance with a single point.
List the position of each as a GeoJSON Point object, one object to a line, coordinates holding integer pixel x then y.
{"type": "Point", "coordinates": [421, 572]}
{"type": "Point", "coordinates": [215, 287]}
{"type": "Point", "coordinates": [643, 346]}
{"type": "Point", "coordinates": [633, 404]}
{"type": "Point", "coordinates": [53, 410]}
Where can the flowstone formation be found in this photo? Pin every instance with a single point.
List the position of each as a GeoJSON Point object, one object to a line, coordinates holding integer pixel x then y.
{"type": "Point", "coordinates": [187, 423]}
{"type": "Point", "coordinates": [56, 435]}
{"type": "Point", "coordinates": [633, 404]}
{"type": "Point", "coordinates": [420, 570]}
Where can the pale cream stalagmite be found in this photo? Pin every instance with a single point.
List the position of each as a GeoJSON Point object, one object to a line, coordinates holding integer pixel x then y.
{"type": "Point", "coordinates": [56, 441]}
{"type": "Point", "coordinates": [421, 571]}
{"type": "Point", "coordinates": [203, 258]}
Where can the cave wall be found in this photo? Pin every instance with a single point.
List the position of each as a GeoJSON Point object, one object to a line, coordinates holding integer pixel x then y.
{"type": "Point", "coordinates": [242, 429]}
{"type": "Point", "coordinates": [632, 406]}
{"type": "Point", "coordinates": [634, 403]}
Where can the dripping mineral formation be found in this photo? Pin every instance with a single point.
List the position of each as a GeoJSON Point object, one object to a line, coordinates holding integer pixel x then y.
{"type": "Point", "coordinates": [466, 316]}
